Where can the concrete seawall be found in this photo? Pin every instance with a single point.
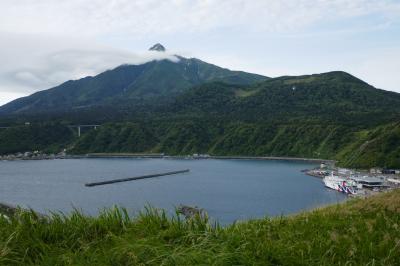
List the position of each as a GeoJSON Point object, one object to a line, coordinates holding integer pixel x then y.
{"type": "Point", "coordinates": [155, 156]}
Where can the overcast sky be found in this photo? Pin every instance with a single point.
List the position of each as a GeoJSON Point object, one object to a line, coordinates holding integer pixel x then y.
{"type": "Point", "coordinates": [45, 42]}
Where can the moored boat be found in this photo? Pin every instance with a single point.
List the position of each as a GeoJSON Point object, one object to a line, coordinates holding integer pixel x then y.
{"type": "Point", "coordinates": [340, 184]}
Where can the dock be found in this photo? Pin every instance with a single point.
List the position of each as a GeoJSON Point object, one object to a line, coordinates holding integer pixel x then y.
{"type": "Point", "coordinates": [315, 172]}
{"type": "Point", "coordinates": [134, 178]}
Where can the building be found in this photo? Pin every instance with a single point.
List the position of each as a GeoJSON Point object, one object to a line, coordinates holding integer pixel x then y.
{"type": "Point", "coordinates": [375, 170]}
{"type": "Point", "coordinates": [345, 172]}
{"type": "Point", "coordinates": [369, 182]}
{"type": "Point", "coordinates": [388, 171]}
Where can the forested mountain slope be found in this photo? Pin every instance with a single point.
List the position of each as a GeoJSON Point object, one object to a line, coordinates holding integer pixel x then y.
{"type": "Point", "coordinates": [330, 115]}
{"type": "Point", "coordinates": [128, 85]}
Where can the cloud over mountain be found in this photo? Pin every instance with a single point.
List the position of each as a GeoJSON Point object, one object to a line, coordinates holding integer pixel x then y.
{"type": "Point", "coordinates": [45, 42]}
{"type": "Point", "coordinates": [50, 63]}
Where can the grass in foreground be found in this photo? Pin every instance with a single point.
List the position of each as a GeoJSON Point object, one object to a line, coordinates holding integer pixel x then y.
{"type": "Point", "coordinates": [359, 232]}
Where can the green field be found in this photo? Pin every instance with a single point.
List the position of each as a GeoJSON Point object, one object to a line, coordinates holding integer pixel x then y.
{"type": "Point", "coordinates": [358, 232]}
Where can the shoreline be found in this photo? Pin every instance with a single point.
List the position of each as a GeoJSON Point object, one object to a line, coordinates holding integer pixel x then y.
{"type": "Point", "coordinates": [222, 157]}
{"type": "Point", "coordinates": [161, 156]}
{"type": "Point", "coordinates": [7, 209]}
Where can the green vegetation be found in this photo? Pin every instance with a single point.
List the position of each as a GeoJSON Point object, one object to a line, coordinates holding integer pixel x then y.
{"type": "Point", "coordinates": [127, 137]}
{"type": "Point", "coordinates": [379, 146]}
{"type": "Point", "coordinates": [195, 107]}
{"type": "Point", "coordinates": [330, 116]}
{"type": "Point", "coordinates": [127, 85]}
{"type": "Point", "coordinates": [351, 146]}
{"type": "Point", "coordinates": [358, 232]}
{"type": "Point", "coordinates": [329, 98]}
{"type": "Point", "coordinates": [47, 137]}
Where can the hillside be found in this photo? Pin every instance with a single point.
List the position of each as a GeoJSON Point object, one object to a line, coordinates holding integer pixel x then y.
{"type": "Point", "coordinates": [330, 115]}
{"type": "Point", "coordinates": [190, 106]}
{"type": "Point", "coordinates": [333, 96]}
{"type": "Point", "coordinates": [358, 232]}
{"type": "Point", "coordinates": [350, 146]}
{"type": "Point", "coordinates": [127, 85]}
{"type": "Point", "coordinates": [49, 137]}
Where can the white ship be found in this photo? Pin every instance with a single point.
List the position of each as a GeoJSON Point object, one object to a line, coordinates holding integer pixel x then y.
{"type": "Point", "coordinates": [340, 184]}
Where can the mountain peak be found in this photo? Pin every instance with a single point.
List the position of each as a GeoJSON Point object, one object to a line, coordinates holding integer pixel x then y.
{"type": "Point", "coordinates": [157, 47]}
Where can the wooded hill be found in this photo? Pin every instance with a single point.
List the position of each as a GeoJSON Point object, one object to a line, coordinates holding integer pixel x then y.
{"type": "Point", "coordinates": [331, 115]}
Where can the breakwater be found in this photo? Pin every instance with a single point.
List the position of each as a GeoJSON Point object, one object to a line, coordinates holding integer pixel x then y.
{"type": "Point", "coordinates": [134, 178]}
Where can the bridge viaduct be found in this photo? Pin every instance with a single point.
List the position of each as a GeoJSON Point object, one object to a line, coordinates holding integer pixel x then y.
{"type": "Point", "coordinates": [72, 126]}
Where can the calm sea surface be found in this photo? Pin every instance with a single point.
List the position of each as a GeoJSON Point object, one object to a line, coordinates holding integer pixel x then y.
{"type": "Point", "coordinates": [228, 190]}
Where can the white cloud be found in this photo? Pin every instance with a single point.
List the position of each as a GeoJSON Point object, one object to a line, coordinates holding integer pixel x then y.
{"type": "Point", "coordinates": [380, 68]}
{"type": "Point", "coordinates": [6, 96]}
{"type": "Point", "coordinates": [165, 17]}
{"type": "Point", "coordinates": [47, 64]}
{"type": "Point", "coordinates": [45, 42]}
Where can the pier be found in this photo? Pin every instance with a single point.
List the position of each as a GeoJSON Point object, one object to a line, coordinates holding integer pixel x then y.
{"type": "Point", "coordinates": [134, 178]}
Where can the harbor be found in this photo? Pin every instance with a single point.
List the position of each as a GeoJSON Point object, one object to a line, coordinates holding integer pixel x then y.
{"type": "Point", "coordinates": [356, 183]}
{"type": "Point", "coordinates": [228, 190]}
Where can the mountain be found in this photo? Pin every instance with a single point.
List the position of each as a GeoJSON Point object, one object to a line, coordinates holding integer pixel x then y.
{"type": "Point", "coordinates": [330, 115]}
{"type": "Point", "coordinates": [333, 96]}
{"type": "Point", "coordinates": [190, 106]}
{"type": "Point", "coordinates": [128, 84]}
{"type": "Point", "coordinates": [157, 47]}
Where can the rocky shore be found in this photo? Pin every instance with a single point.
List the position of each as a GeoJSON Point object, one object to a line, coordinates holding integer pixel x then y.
{"type": "Point", "coordinates": [36, 155]}
{"type": "Point", "coordinates": [6, 209]}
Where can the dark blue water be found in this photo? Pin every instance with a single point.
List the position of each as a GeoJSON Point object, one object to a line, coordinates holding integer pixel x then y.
{"type": "Point", "coordinates": [228, 190]}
